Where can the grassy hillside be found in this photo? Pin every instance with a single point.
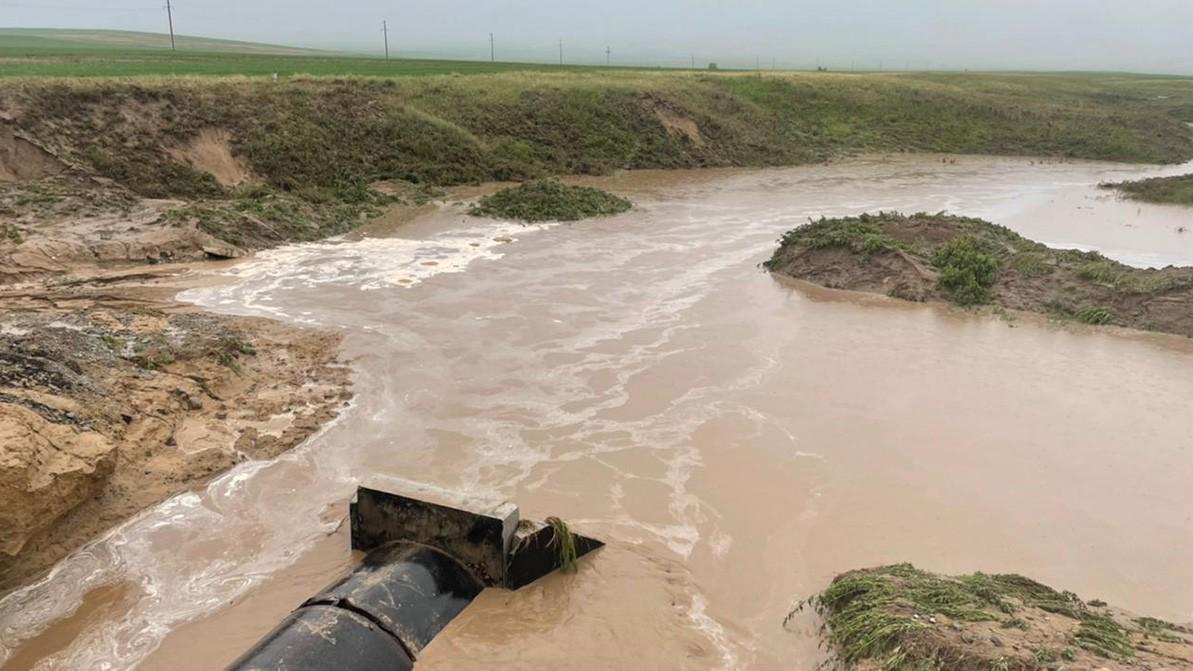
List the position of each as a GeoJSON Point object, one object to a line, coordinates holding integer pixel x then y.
{"type": "Point", "coordinates": [449, 130]}
{"type": "Point", "coordinates": [296, 156]}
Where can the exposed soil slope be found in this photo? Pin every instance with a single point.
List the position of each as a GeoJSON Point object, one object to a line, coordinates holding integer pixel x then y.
{"type": "Point", "coordinates": [939, 257]}
{"type": "Point", "coordinates": [112, 400]}
{"type": "Point", "coordinates": [899, 618]}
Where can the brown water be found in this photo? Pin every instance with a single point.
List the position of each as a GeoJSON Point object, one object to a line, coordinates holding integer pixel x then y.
{"type": "Point", "coordinates": [737, 438]}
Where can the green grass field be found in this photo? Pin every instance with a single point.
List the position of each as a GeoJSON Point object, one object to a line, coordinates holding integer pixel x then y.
{"type": "Point", "coordinates": [98, 53]}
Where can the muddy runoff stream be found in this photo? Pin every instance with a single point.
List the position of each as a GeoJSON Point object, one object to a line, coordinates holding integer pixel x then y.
{"type": "Point", "coordinates": [738, 439]}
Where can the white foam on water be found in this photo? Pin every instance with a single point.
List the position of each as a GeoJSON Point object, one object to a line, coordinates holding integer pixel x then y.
{"type": "Point", "coordinates": [707, 625]}
{"type": "Point", "coordinates": [369, 264]}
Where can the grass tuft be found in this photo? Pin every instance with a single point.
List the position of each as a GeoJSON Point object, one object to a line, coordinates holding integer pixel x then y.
{"type": "Point", "coordinates": [549, 200]}
{"type": "Point", "coordinates": [565, 542]}
{"type": "Point", "coordinates": [967, 271]}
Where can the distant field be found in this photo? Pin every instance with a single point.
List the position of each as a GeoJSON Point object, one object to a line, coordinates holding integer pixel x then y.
{"type": "Point", "coordinates": [79, 53]}
{"type": "Point", "coordinates": [56, 39]}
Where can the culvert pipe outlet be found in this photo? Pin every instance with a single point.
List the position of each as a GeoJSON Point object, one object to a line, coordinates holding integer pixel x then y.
{"type": "Point", "coordinates": [379, 617]}
{"type": "Point", "coordinates": [429, 554]}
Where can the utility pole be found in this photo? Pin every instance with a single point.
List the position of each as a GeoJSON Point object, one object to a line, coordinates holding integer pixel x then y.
{"type": "Point", "coordinates": [492, 52]}
{"type": "Point", "coordinates": [561, 52]}
{"type": "Point", "coordinates": [693, 61]}
{"type": "Point", "coordinates": [170, 17]}
{"type": "Point", "coordinates": [608, 55]}
{"type": "Point", "coordinates": [385, 31]}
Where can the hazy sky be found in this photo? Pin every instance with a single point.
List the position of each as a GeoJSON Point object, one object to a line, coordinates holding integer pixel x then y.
{"type": "Point", "coordinates": [1141, 35]}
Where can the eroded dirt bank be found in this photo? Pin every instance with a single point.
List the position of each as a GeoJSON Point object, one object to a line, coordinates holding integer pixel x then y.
{"type": "Point", "coordinates": [970, 262]}
{"type": "Point", "coordinates": [113, 398]}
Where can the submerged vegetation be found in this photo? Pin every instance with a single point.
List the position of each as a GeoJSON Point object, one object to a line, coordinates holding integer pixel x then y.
{"type": "Point", "coordinates": [564, 542]}
{"type": "Point", "coordinates": [899, 617]}
{"type": "Point", "coordinates": [1176, 190]}
{"type": "Point", "coordinates": [972, 262]}
{"type": "Point", "coordinates": [549, 200]}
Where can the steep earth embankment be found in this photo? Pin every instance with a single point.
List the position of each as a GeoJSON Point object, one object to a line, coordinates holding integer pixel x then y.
{"type": "Point", "coordinates": [214, 167]}
{"type": "Point", "coordinates": [112, 399]}
{"type": "Point", "coordinates": [925, 257]}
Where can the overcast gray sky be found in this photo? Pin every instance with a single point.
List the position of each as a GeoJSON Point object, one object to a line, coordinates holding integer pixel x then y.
{"type": "Point", "coordinates": [1139, 35]}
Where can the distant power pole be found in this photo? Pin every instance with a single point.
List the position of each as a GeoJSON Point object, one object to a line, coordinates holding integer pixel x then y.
{"type": "Point", "coordinates": [385, 31]}
{"type": "Point", "coordinates": [608, 55]}
{"type": "Point", "coordinates": [561, 52]}
{"type": "Point", "coordinates": [693, 61]}
{"type": "Point", "coordinates": [492, 52]}
{"type": "Point", "coordinates": [170, 17]}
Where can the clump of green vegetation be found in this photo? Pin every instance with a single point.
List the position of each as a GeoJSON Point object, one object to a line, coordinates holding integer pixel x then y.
{"type": "Point", "coordinates": [1095, 315]}
{"type": "Point", "coordinates": [1032, 264]}
{"type": "Point", "coordinates": [549, 200]}
{"type": "Point", "coordinates": [11, 232]}
{"type": "Point", "coordinates": [862, 235]}
{"type": "Point", "coordinates": [1100, 270]}
{"type": "Point", "coordinates": [263, 216]}
{"type": "Point", "coordinates": [888, 616]}
{"type": "Point", "coordinates": [1167, 190]}
{"type": "Point", "coordinates": [155, 358]}
{"type": "Point", "coordinates": [1162, 629]}
{"type": "Point", "coordinates": [565, 543]}
{"type": "Point", "coordinates": [967, 271]}
{"type": "Point", "coordinates": [230, 349]}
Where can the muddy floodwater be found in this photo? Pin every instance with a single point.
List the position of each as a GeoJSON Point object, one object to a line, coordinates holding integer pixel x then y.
{"type": "Point", "coordinates": [737, 439]}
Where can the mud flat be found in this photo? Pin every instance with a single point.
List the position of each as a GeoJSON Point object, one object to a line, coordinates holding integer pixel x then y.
{"type": "Point", "coordinates": [970, 262]}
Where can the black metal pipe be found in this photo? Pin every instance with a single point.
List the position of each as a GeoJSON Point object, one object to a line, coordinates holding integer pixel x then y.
{"type": "Point", "coordinates": [379, 617]}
